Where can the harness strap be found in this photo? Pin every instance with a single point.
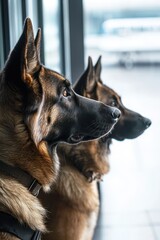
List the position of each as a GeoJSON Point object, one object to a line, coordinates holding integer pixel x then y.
{"type": "Point", "coordinates": [23, 177]}
{"type": "Point", "coordinates": [11, 225]}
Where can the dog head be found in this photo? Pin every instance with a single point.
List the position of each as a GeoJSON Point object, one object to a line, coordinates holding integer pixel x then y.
{"type": "Point", "coordinates": [131, 124]}
{"type": "Point", "coordinates": [49, 110]}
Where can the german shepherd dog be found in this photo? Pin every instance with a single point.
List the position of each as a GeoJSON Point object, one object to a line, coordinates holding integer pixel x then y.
{"type": "Point", "coordinates": [38, 109]}
{"type": "Point", "coordinates": [73, 205]}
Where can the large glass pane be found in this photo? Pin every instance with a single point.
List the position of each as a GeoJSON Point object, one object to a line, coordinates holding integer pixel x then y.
{"type": "Point", "coordinates": [51, 34]}
{"type": "Point", "coordinates": [127, 35]}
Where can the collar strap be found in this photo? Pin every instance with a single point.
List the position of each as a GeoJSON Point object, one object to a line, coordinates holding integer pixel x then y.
{"type": "Point", "coordinates": [21, 176]}
{"type": "Point", "coordinates": [9, 224]}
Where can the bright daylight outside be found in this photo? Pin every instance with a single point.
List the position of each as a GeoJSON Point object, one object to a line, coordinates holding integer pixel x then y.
{"type": "Point", "coordinates": [127, 36]}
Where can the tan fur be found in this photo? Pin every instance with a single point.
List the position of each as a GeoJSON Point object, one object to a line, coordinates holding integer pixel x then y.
{"type": "Point", "coordinates": [73, 204]}
{"type": "Point", "coordinates": [20, 203]}
{"type": "Point", "coordinates": [7, 236]}
{"type": "Point", "coordinates": [13, 136]}
{"type": "Point", "coordinates": [28, 79]}
{"type": "Point", "coordinates": [22, 144]}
{"type": "Point", "coordinates": [60, 77]}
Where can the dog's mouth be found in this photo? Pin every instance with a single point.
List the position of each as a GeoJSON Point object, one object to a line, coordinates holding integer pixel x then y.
{"type": "Point", "coordinates": [119, 138]}
{"type": "Point", "coordinates": [111, 135]}
{"type": "Point", "coordinates": [79, 137]}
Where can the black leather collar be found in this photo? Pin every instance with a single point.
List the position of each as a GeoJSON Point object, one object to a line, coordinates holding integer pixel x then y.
{"type": "Point", "coordinates": [9, 224]}
{"type": "Point", "coordinates": [21, 176]}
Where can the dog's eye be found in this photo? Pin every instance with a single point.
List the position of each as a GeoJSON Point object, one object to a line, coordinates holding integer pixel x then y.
{"type": "Point", "coordinates": [113, 103]}
{"type": "Point", "coordinates": [66, 93]}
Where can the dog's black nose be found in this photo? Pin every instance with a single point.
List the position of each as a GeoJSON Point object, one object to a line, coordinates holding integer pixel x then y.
{"type": "Point", "coordinates": [147, 122]}
{"type": "Point", "coordinates": [116, 113]}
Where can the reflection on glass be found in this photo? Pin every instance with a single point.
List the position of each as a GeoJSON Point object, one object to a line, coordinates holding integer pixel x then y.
{"type": "Point", "coordinates": [51, 34]}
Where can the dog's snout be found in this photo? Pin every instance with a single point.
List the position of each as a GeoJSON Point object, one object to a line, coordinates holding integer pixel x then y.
{"type": "Point", "coordinates": [147, 122]}
{"type": "Point", "coordinates": [116, 113]}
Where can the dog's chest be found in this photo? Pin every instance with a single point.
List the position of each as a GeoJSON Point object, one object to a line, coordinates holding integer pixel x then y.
{"type": "Point", "coordinates": [90, 226]}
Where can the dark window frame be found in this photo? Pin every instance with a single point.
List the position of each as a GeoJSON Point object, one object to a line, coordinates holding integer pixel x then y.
{"type": "Point", "coordinates": [1, 41]}
{"type": "Point", "coordinates": [5, 29]}
{"type": "Point", "coordinates": [73, 35]}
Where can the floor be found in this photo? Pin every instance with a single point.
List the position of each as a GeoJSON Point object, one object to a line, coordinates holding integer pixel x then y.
{"type": "Point", "coordinates": [130, 193]}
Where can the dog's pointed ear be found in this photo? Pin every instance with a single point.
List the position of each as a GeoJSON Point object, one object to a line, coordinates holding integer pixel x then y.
{"type": "Point", "coordinates": [31, 52]}
{"type": "Point", "coordinates": [87, 81]}
{"type": "Point", "coordinates": [91, 78]}
{"type": "Point", "coordinates": [38, 43]}
{"type": "Point", "coordinates": [23, 60]}
{"type": "Point", "coordinates": [98, 68]}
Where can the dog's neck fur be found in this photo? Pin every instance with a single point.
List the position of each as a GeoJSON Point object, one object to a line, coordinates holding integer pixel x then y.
{"type": "Point", "coordinates": [72, 188]}
{"type": "Point", "coordinates": [15, 142]}
{"type": "Point", "coordinates": [86, 157]}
